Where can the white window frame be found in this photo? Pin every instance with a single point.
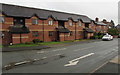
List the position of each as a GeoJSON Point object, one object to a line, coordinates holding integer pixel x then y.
{"type": "Point", "coordinates": [3, 19]}
{"type": "Point", "coordinates": [92, 24]}
{"type": "Point", "coordinates": [36, 21]}
{"type": "Point", "coordinates": [50, 22]}
{"type": "Point", "coordinates": [70, 23]}
{"type": "Point", "coordinates": [80, 24]}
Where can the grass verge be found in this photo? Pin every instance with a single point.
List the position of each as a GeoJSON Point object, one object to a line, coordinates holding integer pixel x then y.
{"type": "Point", "coordinates": [42, 43]}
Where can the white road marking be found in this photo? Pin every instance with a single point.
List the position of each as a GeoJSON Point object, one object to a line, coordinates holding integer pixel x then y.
{"type": "Point", "coordinates": [59, 49]}
{"type": "Point", "coordinates": [114, 49]}
{"type": "Point", "coordinates": [83, 49]}
{"type": "Point", "coordinates": [77, 50]}
{"type": "Point", "coordinates": [44, 57]}
{"type": "Point", "coordinates": [19, 63]}
{"type": "Point", "coordinates": [75, 61]}
{"type": "Point", "coordinates": [57, 54]}
{"type": "Point", "coordinates": [99, 67]}
{"type": "Point", "coordinates": [72, 63]}
{"type": "Point", "coordinates": [40, 52]}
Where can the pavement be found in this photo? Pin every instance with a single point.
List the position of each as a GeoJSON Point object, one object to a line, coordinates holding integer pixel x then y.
{"type": "Point", "coordinates": [73, 58]}
{"type": "Point", "coordinates": [113, 66]}
{"type": "Point", "coordinates": [10, 49]}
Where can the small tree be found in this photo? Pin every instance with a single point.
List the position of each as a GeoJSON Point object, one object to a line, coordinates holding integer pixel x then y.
{"type": "Point", "coordinates": [112, 24]}
{"type": "Point", "coordinates": [113, 31]}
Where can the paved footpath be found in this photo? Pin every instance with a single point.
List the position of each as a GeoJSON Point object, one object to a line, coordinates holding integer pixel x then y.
{"type": "Point", "coordinates": [113, 66]}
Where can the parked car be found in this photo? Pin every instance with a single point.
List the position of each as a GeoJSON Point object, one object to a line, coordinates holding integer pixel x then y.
{"type": "Point", "coordinates": [107, 37]}
{"type": "Point", "coordinates": [118, 35]}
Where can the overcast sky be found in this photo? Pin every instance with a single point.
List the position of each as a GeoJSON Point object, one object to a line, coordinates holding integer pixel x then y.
{"type": "Point", "coordinates": [103, 9]}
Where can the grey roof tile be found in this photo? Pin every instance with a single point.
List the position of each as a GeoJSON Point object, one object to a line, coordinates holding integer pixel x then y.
{"type": "Point", "coordinates": [20, 11]}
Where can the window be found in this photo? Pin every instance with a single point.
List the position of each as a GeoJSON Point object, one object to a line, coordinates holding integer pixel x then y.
{"type": "Point", "coordinates": [50, 22]}
{"type": "Point", "coordinates": [80, 32]}
{"type": "Point", "coordinates": [19, 21]}
{"type": "Point", "coordinates": [70, 23]}
{"type": "Point", "coordinates": [104, 27]}
{"type": "Point", "coordinates": [2, 20]}
{"type": "Point", "coordinates": [2, 34]}
{"type": "Point", "coordinates": [71, 33]}
{"type": "Point", "coordinates": [34, 21]}
{"type": "Point", "coordinates": [80, 24]}
{"type": "Point", "coordinates": [50, 33]}
{"type": "Point", "coordinates": [100, 27]}
{"type": "Point", "coordinates": [35, 34]}
{"type": "Point", "coordinates": [92, 24]}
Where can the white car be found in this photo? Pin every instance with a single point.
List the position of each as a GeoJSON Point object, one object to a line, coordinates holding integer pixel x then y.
{"type": "Point", "coordinates": [107, 37]}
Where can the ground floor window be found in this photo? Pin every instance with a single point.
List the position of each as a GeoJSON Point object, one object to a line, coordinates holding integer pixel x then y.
{"type": "Point", "coordinates": [71, 33]}
{"type": "Point", "coordinates": [80, 32]}
{"type": "Point", "coordinates": [51, 33]}
{"type": "Point", "coordinates": [35, 34]}
{"type": "Point", "coordinates": [2, 34]}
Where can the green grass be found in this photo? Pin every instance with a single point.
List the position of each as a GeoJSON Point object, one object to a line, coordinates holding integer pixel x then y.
{"type": "Point", "coordinates": [42, 43]}
{"type": "Point", "coordinates": [23, 45]}
{"type": "Point", "coordinates": [1, 46]}
{"type": "Point", "coordinates": [52, 43]}
{"type": "Point", "coordinates": [37, 44]}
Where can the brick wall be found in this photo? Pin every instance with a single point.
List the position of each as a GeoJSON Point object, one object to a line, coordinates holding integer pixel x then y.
{"type": "Point", "coordinates": [43, 30]}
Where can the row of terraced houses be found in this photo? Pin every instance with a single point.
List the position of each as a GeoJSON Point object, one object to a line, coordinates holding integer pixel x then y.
{"type": "Point", "coordinates": [23, 24]}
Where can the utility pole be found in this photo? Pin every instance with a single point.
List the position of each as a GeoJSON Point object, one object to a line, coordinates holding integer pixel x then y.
{"type": "Point", "coordinates": [75, 31]}
{"type": "Point", "coordinates": [43, 29]}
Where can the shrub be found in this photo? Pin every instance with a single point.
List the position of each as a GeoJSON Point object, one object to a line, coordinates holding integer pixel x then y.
{"type": "Point", "coordinates": [96, 37]}
{"type": "Point", "coordinates": [113, 31]}
{"type": "Point", "coordinates": [27, 43]}
{"type": "Point", "coordinates": [92, 37]}
{"type": "Point", "coordinates": [36, 41]}
{"type": "Point", "coordinates": [100, 36]}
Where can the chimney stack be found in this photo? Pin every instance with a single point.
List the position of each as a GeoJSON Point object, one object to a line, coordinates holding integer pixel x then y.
{"type": "Point", "coordinates": [96, 19]}
{"type": "Point", "coordinates": [104, 21]}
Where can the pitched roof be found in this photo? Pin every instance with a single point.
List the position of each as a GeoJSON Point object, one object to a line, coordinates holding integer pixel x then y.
{"type": "Point", "coordinates": [88, 30]}
{"type": "Point", "coordinates": [18, 29]}
{"type": "Point", "coordinates": [20, 11]}
{"type": "Point", "coordinates": [100, 23]}
{"type": "Point", "coordinates": [63, 30]}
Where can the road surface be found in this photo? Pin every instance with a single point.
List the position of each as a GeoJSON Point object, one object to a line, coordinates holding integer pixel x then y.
{"type": "Point", "coordinates": [77, 58]}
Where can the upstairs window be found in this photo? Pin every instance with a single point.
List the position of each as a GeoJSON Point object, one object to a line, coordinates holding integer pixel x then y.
{"type": "Point", "coordinates": [92, 24]}
{"type": "Point", "coordinates": [2, 19]}
{"type": "Point", "coordinates": [34, 21]}
{"type": "Point", "coordinates": [19, 21]}
{"type": "Point", "coordinates": [35, 34]}
{"type": "Point", "coordinates": [104, 27]}
{"type": "Point", "coordinates": [70, 23]}
{"type": "Point", "coordinates": [50, 22]}
{"type": "Point", "coordinates": [80, 24]}
{"type": "Point", "coordinates": [100, 27]}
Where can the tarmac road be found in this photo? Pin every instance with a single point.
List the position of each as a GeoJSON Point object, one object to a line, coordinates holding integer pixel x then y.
{"type": "Point", "coordinates": [77, 58]}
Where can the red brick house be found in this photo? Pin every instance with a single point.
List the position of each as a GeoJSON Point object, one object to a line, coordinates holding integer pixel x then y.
{"type": "Point", "coordinates": [101, 27]}
{"type": "Point", "coordinates": [23, 24]}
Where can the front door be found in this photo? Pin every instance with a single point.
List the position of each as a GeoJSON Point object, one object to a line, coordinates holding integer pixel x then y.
{"type": "Point", "coordinates": [57, 36]}
{"type": "Point", "coordinates": [85, 35]}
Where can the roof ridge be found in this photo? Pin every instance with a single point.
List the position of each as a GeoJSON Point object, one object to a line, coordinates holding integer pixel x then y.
{"type": "Point", "coordinates": [43, 9]}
